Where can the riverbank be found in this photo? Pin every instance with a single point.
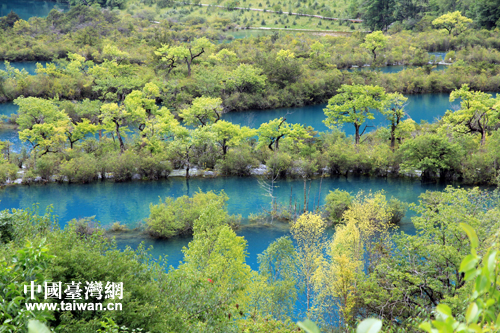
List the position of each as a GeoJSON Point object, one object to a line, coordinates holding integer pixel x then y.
{"type": "Point", "coordinates": [261, 170]}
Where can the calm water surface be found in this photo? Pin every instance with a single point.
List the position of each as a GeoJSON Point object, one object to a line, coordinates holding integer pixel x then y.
{"type": "Point", "coordinates": [426, 107]}
{"type": "Point", "coordinates": [129, 202]}
{"type": "Point", "coordinates": [29, 66]}
{"type": "Point", "coordinates": [26, 8]}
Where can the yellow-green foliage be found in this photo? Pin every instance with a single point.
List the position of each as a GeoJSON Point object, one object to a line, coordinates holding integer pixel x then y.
{"type": "Point", "coordinates": [309, 234]}
{"type": "Point", "coordinates": [452, 22]}
{"type": "Point", "coordinates": [338, 275]}
{"type": "Point", "coordinates": [173, 217]}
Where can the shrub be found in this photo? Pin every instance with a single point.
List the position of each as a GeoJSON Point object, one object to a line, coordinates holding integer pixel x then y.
{"type": "Point", "coordinates": [238, 162]}
{"type": "Point", "coordinates": [82, 169]}
{"type": "Point", "coordinates": [397, 209]}
{"type": "Point", "coordinates": [278, 164]}
{"type": "Point", "coordinates": [336, 203]}
{"type": "Point", "coordinates": [173, 217]}
{"type": "Point", "coordinates": [123, 166]}
{"type": "Point", "coordinates": [163, 3]}
{"type": "Point", "coordinates": [7, 171]}
{"type": "Point", "coordinates": [47, 166]}
{"type": "Point", "coordinates": [117, 227]}
{"type": "Point", "coordinates": [154, 167]}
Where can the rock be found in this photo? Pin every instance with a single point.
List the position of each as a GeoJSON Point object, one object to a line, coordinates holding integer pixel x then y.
{"type": "Point", "coordinates": [18, 181]}
{"type": "Point", "coordinates": [136, 177]}
{"type": "Point", "coordinates": [260, 170]}
{"type": "Point", "coordinates": [177, 173]}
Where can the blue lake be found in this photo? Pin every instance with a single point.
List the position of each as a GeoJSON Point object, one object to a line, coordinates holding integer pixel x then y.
{"type": "Point", "coordinates": [129, 203]}
{"type": "Point", "coordinates": [426, 107]}
{"type": "Point", "coordinates": [26, 8]}
{"type": "Point", "coordinates": [29, 66]}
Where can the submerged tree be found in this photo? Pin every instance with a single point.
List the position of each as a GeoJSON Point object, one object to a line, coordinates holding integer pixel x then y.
{"type": "Point", "coordinates": [309, 233]}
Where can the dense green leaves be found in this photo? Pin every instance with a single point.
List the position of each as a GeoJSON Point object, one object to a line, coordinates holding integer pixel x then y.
{"type": "Point", "coordinates": [354, 104]}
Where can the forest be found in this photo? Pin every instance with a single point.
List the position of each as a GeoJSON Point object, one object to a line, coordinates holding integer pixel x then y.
{"type": "Point", "coordinates": [129, 92]}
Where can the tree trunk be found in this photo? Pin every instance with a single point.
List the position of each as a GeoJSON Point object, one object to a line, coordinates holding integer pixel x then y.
{"type": "Point", "coordinates": [356, 126]}
{"type": "Point", "coordinates": [224, 148]}
{"type": "Point", "coordinates": [188, 66]}
{"type": "Point", "coordinates": [305, 196]}
{"type": "Point", "coordinates": [483, 136]}
{"type": "Point", "coordinates": [393, 136]}
{"type": "Point", "coordinates": [122, 145]}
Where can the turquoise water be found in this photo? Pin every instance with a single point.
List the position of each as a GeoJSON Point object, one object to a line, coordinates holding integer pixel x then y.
{"type": "Point", "coordinates": [427, 107]}
{"type": "Point", "coordinates": [29, 66]}
{"type": "Point", "coordinates": [129, 202]}
{"type": "Point", "coordinates": [26, 9]}
{"type": "Point", "coordinates": [8, 108]}
{"type": "Point", "coordinates": [9, 134]}
{"type": "Point", "coordinates": [439, 55]}
{"type": "Point", "coordinates": [393, 69]}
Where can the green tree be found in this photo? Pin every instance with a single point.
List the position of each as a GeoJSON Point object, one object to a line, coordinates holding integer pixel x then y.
{"type": "Point", "coordinates": [378, 14]}
{"type": "Point", "coordinates": [375, 41]}
{"type": "Point", "coordinates": [142, 104]}
{"type": "Point", "coordinates": [278, 264]}
{"type": "Point", "coordinates": [308, 231]}
{"type": "Point", "coordinates": [336, 203]}
{"type": "Point", "coordinates": [203, 111]}
{"type": "Point", "coordinates": [76, 131]}
{"type": "Point", "coordinates": [173, 217]}
{"type": "Point", "coordinates": [478, 112]}
{"type": "Point", "coordinates": [452, 22]}
{"type": "Point", "coordinates": [483, 305]}
{"type": "Point", "coordinates": [424, 270]}
{"type": "Point", "coordinates": [431, 154]}
{"type": "Point", "coordinates": [41, 123]}
{"type": "Point", "coordinates": [246, 78]}
{"type": "Point", "coordinates": [487, 13]}
{"type": "Point", "coordinates": [230, 135]}
{"type": "Point", "coordinates": [218, 255]}
{"type": "Point", "coordinates": [188, 142]}
{"type": "Point", "coordinates": [353, 104]}
{"type": "Point", "coordinates": [113, 80]}
{"type": "Point", "coordinates": [273, 131]}
{"type": "Point", "coordinates": [173, 55]}
{"type": "Point", "coordinates": [114, 117]}
{"type": "Point", "coordinates": [394, 112]}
